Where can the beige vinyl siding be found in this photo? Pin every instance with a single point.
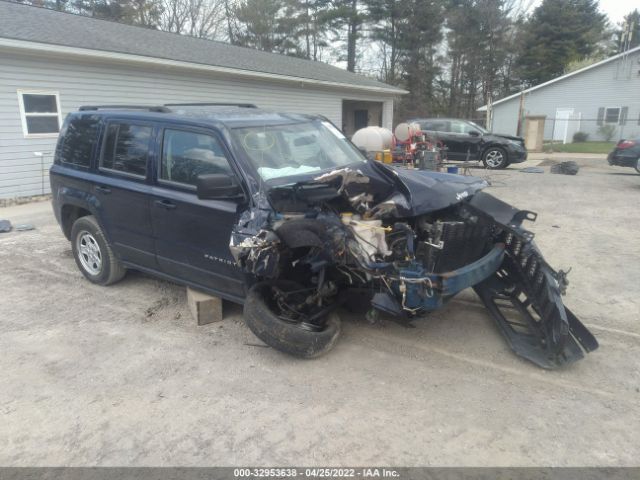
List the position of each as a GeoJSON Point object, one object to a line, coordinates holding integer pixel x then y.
{"type": "Point", "coordinates": [102, 83]}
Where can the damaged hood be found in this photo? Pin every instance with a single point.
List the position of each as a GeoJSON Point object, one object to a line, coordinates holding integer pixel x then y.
{"type": "Point", "coordinates": [382, 189]}
{"type": "Point", "coordinates": [431, 191]}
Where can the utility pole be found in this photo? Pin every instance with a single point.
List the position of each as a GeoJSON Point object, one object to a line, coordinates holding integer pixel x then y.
{"type": "Point", "coordinates": [520, 114]}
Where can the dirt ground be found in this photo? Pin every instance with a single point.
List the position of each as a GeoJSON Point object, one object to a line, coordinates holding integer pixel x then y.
{"type": "Point", "coordinates": [123, 376]}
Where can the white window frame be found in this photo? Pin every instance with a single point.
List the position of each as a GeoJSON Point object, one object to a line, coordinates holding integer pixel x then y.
{"type": "Point", "coordinates": [604, 120]}
{"type": "Point", "coordinates": [23, 114]}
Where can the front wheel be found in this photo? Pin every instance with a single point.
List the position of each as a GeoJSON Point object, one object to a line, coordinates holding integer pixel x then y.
{"type": "Point", "coordinates": [273, 323]}
{"type": "Point", "coordinates": [92, 252]}
{"type": "Point", "coordinates": [495, 158]}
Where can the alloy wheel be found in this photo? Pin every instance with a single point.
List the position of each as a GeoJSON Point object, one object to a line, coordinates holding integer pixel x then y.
{"type": "Point", "coordinates": [89, 253]}
{"type": "Point", "coordinates": [494, 158]}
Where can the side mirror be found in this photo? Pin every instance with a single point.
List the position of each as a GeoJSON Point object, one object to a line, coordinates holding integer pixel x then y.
{"type": "Point", "coordinates": [216, 186]}
{"type": "Point", "coordinates": [474, 133]}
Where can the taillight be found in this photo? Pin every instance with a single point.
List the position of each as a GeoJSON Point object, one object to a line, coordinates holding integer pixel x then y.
{"type": "Point", "coordinates": [622, 144]}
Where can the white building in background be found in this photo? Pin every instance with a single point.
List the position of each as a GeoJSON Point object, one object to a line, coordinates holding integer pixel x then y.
{"type": "Point", "coordinates": [605, 93]}
{"type": "Point", "coordinates": [51, 63]}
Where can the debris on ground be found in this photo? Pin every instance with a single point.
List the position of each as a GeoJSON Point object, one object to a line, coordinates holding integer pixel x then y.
{"type": "Point", "coordinates": [532, 170]}
{"type": "Point", "coordinates": [5, 226]}
{"type": "Point", "coordinates": [24, 227]}
{"type": "Point", "coordinates": [565, 168]}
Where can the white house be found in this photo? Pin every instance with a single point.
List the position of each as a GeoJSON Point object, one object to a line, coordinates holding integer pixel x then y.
{"type": "Point", "coordinates": [51, 63]}
{"type": "Point", "coordinates": [605, 93]}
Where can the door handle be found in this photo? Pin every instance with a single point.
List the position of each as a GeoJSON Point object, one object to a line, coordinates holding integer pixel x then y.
{"type": "Point", "coordinates": [165, 204]}
{"type": "Point", "coordinates": [104, 190]}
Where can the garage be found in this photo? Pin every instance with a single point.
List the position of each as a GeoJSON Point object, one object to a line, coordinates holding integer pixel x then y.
{"type": "Point", "coordinates": [55, 62]}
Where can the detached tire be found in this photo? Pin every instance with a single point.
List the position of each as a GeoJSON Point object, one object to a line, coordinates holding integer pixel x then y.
{"type": "Point", "coordinates": [495, 158]}
{"type": "Point", "coordinates": [93, 254]}
{"type": "Point", "coordinates": [285, 336]}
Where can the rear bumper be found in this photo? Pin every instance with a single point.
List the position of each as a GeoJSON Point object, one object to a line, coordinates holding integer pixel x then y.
{"type": "Point", "coordinates": [620, 160]}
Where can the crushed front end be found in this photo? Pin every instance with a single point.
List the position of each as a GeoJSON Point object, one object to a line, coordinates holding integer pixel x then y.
{"type": "Point", "coordinates": [404, 244]}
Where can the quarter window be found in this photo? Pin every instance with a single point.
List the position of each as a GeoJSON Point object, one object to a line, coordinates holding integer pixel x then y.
{"type": "Point", "coordinates": [40, 113]}
{"type": "Point", "coordinates": [185, 155]}
{"type": "Point", "coordinates": [79, 139]}
{"type": "Point", "coordinates": [126, 148]}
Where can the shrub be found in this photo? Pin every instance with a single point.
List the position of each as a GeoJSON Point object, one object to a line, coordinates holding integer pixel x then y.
{"type": "Point", "coordinates": [607, 131]}
{"type": "Point", "coordinates": [580, 137]}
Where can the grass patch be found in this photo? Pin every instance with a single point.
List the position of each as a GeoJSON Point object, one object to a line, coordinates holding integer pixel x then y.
{"type": "Point", "coordinates": [582, 147]}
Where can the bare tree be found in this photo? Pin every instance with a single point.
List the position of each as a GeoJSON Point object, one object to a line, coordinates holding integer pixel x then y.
{"type": "Point", "coordinates": [198, 18]}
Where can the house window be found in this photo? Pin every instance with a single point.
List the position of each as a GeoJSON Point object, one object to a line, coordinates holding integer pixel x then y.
{"type": "Point", "coordinates": [612, 115]}
{"type": "Point", "coordinates": [40, 113]}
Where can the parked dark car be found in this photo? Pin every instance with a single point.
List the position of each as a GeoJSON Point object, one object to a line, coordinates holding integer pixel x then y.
{"type": "Point", "coordinates": [467, 141]}
{"type": "Point", "coordinates": [626, 154]}
{"type": "Point", "coordinates": [282, 213]}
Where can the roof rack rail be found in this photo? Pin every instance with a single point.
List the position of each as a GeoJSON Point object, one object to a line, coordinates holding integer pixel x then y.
{"type": "Point", "coordinates": [241, 105]}
{"type": "Point", "coordinates": [150, 108]}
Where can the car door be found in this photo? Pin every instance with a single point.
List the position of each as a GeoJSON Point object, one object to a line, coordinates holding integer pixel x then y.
{"type": "Point", "coordinates": [464, 143]}
{"type": "Point", "coordinates": [438, 130]}
{"type": "Point", "coordinates": [192, 235]}
{"type": "Point", "coordinates": [122, 189]}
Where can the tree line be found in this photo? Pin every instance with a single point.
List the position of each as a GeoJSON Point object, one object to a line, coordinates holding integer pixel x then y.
{"type": "Point", "coordinates": [451, 55]}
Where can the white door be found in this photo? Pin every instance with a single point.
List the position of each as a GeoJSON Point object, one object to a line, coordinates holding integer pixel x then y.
{"type": "Point", "coordinates": [561, 124]}
{"type": "Point", "coordinates": [573, 127]}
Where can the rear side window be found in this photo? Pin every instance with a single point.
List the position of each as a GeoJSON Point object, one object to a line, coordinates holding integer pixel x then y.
{"type": "Point", "coordinates": [126, 148]}
{"type": "Point", "coordinates": [185, 155]}
{"type": "Point", "coordinates": [80, 137]}
{"type": "Point", "coordinates": [435, 126]}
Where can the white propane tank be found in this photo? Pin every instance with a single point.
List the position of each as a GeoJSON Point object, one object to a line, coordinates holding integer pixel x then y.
{"type": "Point", "coordinates": [404, 131]}
{"type": "Point", "coordinates": [373, 139]}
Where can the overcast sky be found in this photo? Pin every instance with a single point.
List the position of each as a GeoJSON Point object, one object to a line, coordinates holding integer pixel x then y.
{"type": "Point", "coordinates": [615, 9]}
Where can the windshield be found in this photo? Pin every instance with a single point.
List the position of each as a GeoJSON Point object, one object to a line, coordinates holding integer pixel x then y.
{"type": "Point", "coordinates": [287, 150]}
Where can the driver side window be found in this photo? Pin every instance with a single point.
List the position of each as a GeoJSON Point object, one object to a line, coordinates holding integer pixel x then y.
{"type": "Point", "coordinates": [185, 155]}
{"type": "Point", "coordinates": [459, 127]}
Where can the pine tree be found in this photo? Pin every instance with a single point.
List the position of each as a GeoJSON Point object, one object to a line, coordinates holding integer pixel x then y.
{"type": "Point", "coordinates": [559, 32]}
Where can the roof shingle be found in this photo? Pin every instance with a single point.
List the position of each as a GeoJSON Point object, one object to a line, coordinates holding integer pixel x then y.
{"type": "Point", "coordinates": [35, 24]}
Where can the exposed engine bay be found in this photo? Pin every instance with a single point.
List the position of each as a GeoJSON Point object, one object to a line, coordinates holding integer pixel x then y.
{"type": "Point", "coordinates": [382, 240]}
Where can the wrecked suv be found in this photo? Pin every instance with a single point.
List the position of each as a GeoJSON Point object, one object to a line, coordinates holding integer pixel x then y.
{"type": "Point", "coordinates": [282, 213]}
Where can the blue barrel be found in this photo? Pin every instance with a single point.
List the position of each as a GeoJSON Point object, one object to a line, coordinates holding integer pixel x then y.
{"type": "Point", "coordinates": [452, 169]}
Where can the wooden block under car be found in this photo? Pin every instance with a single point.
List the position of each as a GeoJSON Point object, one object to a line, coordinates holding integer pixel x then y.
{"type": "Point", "coordinates": [205, 308]}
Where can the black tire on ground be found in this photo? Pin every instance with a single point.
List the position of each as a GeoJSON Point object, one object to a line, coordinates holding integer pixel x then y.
{"type": "Point", "coordinates": [638, 166]}
{"type": "Point", "coordinates": [495, 158]}
{"type": "Point", "coordinates": [86, 233]}
{"type": "Point", "coordinates": [282, 335]}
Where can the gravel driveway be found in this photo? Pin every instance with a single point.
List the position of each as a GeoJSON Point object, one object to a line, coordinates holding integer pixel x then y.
{"type": "Point", "coordinates": [123, 376]}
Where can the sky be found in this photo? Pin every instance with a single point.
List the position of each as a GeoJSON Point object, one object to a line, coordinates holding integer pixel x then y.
{"type": "Point", "coordinates": [615, 9]}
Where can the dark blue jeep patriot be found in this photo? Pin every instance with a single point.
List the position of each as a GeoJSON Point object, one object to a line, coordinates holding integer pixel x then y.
{"type": "Point", "coordinates": [282, 213]}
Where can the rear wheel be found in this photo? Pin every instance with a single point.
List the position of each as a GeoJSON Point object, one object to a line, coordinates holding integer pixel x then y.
{"type": "Point", "coordinates": [92, 253]}
{"type": "Point", "coordinates": [272, 313]}
{"type": "Point", "coordinates": [495, 158]}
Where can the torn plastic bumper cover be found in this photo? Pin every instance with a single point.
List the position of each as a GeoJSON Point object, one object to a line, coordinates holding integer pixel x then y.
{"type": "Point", "coordinates": [412, 241]}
